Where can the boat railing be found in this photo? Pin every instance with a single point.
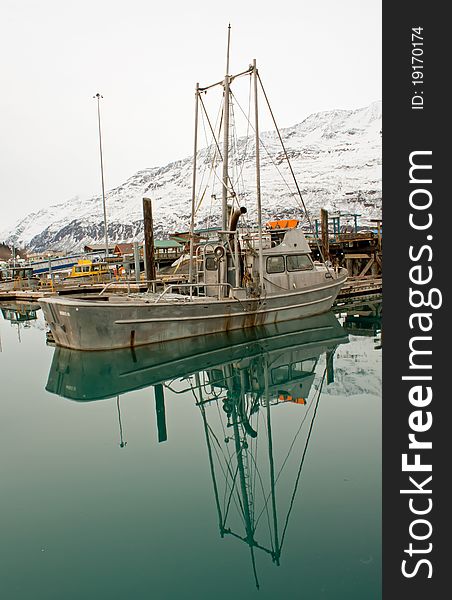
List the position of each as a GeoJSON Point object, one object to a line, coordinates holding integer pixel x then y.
{"type": "Point", "coordinates": [128, 283]}
{"type": "Point", "coordinates": [192, 287]}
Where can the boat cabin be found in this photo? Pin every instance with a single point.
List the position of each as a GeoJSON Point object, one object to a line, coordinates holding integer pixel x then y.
{"type": "Point", "coordinates": [18, 278]}
{"type": "Point", "coordinates": [88, 268]}
{"type": "Point", "coordinates": [287, 265]}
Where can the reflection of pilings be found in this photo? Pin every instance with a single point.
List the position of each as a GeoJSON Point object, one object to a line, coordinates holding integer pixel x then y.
{"type": "Point", "coordinates": [330, 366]}
{"type": "Point", "coordinates": [160, 412]}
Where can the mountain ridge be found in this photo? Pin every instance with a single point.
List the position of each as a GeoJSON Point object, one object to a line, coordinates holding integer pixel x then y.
{"type": "Point", "coordinates": [336, 157]}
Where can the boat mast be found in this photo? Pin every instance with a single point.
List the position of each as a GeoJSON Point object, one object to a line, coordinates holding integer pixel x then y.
{"type": "Point", "coordinates": [258, 182]}
{"type": "Point", "coordinates": [193, 193]}
{"type": "Point", "coordinates": [224, 203]}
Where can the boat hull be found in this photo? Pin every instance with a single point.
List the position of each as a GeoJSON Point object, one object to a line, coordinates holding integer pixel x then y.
{"type": "Point", "coordinates": [111, 323]}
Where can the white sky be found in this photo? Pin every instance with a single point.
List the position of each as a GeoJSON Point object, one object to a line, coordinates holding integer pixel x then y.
{"type": "Point", "coordinates": [145, 57]}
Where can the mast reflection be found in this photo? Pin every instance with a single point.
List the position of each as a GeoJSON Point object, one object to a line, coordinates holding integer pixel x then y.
{"type": "Point", "coordinates": [244, 383]}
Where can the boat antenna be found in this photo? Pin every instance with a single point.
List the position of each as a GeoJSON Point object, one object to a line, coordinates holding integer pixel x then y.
{"type": "Point", "coordinates": [224, 204]}
{"type": "Point", "coordinates": [229, 45]}
{"type": "Point", "coordinates": [99, 96]}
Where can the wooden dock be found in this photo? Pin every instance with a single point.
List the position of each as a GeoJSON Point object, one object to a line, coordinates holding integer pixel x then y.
{"type": "Point", "coordinates": [364, 288]}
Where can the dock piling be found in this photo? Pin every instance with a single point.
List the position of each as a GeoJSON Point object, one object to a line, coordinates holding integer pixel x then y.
{"type": "Point", "coordinates": [149, 262]}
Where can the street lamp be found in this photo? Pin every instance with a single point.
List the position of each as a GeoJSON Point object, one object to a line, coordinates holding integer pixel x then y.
{"type": "Point", "coordinates": [98, 96]}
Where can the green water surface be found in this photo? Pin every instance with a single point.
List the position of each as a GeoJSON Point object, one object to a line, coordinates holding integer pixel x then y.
{"type": "Point", "coordinates": [93, 506]}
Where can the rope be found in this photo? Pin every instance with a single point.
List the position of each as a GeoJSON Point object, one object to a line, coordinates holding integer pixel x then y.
{"type": "Point", "coordinates": [303, 457]}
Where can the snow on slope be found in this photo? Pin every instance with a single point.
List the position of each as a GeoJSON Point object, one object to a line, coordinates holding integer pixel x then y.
{"type": "Point", "coordinates": [357, 369]}
{"type": "Point", "coordinates": [336, 157]}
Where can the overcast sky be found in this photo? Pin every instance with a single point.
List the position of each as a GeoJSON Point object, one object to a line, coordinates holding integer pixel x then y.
{"type": "Point", "coordinates": [145, 57]}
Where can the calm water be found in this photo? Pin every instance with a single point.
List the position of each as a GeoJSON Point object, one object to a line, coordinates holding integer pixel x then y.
{"type": "Point", "coordinates": [156, 474]}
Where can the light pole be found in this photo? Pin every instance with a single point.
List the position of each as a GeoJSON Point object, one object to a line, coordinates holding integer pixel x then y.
{"type": "Point", "coordinates": [98, 96]}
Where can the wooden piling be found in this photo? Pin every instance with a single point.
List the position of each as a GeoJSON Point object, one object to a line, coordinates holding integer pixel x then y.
{"type": "Point", "coordinates": [136, 258]}
{"type": "Point", "coordinates": [149, 262]}
{"type": "Point", "coordinates": [324, 234]}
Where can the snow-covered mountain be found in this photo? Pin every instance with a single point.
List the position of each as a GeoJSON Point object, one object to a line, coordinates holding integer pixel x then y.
{"type": "Point", "coordinates": [357, 369]}
{"type": "Point", "coordinates": [336, 157]}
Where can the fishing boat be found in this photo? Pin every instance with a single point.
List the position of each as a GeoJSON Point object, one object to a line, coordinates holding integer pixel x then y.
{"type": "Point", "coordinates": [18, 278]}
{"type": "Point", "coordinates": [246, 279]}
{"type": "Point", "coordinates": [87, 270]}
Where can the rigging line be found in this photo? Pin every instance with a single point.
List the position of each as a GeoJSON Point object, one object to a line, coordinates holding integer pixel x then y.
{"type": "Point", "coordinates": [212, 468]}
{"type": "Point", "coordinates": [235, 148]}
{"type": "Point", "coordinates": [265, 504]}
{"type": "Point", "coordinates": [211, 128]}
{"type": "Point", "coordinates": [288, 453]}
{"type": "Point", "coordinates": [218, 178]}
{"type": "Point", "coordinates": [293, 443]}
{"type": "Point", "coordinates": [302, 459]}
{"type": "Point", "coordinates": [209, 388]}
{"type": "Point", "coordinates": [256, 445]}
{"type": "Point", "coordinates": [221, 420]}
{"type": "Point", "coordinates": [228, 505]}
{"type": "Point", "coordinates": [248, 123]}
{"type": "Point", "coordinates": [231, 486]}
{"type": "Point", "coordinates": [261, 142]}
{"type": "Point", "coordinates": [216, 142]}
{"type": "Point", "coordinates": [228, 486]}
{"type": "Point", "coordinates": [224, 431]}
{"type": "Point", "coordinates": [291, 170]}
{"type": "Point", "coordinates": [227, 460]}
{"type": "Point", "coordinates": [210, 158]}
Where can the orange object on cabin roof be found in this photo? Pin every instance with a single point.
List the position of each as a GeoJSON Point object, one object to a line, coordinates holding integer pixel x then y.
{"type": "Point", "coordinates": [283, 224]}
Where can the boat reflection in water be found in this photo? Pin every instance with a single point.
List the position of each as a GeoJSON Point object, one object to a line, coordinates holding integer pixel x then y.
{"type": "Point", "coordinates": [239, 382]}
{"type": "Point", "coordinates": [19, 314]}
{"type": "Point", "coordinates": [364, 319]}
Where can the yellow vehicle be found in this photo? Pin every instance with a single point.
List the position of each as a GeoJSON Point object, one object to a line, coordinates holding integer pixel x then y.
{"type": "Point", "coordinates": [97, 271]}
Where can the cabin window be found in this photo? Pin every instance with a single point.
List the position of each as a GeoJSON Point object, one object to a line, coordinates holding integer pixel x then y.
{"type": "Point", "coordinates": [275, 264]}
{"type": "Point", "coordinates": [299, 262]}
{"type": "Point", "coordinates": [303, 368]}
{"type": "Point", "coordinates": [85, 269]}
{"type": "Point", "coordinates": [78, 269]}
{"type": "Point", "coordinates": [211, 263]}
{"type": "Point", "coordinates": [280, 374]}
